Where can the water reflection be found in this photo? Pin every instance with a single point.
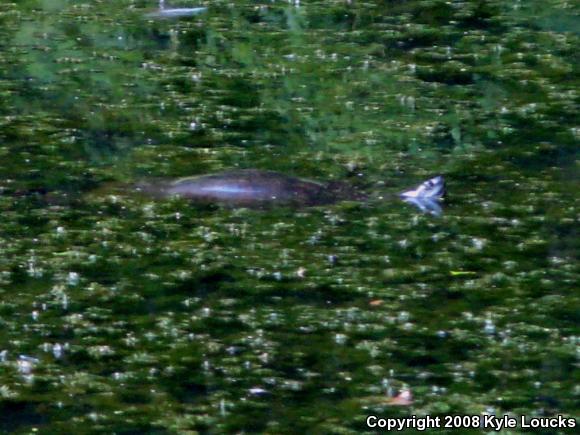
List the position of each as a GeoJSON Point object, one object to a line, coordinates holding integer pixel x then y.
{"type": "Point", "coordinates": [426, 205]}
{"type": "Point", "coordinates": [168, 12]}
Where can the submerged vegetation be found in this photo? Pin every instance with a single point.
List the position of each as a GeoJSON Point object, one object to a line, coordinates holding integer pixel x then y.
{"type": "Point", "coordinates": [123, 314]}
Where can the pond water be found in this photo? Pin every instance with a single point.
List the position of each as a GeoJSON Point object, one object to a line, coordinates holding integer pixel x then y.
{"type": "Point", "coordinates": [124, 314]}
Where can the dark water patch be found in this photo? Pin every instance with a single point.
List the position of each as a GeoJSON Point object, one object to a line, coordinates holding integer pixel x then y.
{"type": "Point", "coordinates": [20, 415]}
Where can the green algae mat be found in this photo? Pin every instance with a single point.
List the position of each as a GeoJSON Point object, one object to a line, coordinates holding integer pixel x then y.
{"type": "Point", "coordinates": [125, 314]}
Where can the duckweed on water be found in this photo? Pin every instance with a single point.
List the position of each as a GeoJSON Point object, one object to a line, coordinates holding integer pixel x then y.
{"type": "Point", "coordinates": [123, 314]}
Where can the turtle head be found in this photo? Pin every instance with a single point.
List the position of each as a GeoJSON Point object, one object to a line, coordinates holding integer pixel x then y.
{"type": "Point", "coordinates": [433, 189]}
{"type": "Point", "coordinates": [426, 196]}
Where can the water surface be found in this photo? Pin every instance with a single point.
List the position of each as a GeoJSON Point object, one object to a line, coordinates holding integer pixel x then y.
{"type": "Point", "coordinates": [124, 314]}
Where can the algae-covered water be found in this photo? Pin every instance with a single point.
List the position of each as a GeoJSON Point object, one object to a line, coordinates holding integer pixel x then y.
{"type": "Point", "coordinates": [129, 315]}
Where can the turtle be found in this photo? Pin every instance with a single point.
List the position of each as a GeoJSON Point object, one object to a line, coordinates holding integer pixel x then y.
{"type": "Point", "coordinates": [255, 188]}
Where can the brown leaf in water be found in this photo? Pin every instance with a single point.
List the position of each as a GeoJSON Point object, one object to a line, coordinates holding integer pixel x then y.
{"type": "Point", "coordinates": [404, 398]}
